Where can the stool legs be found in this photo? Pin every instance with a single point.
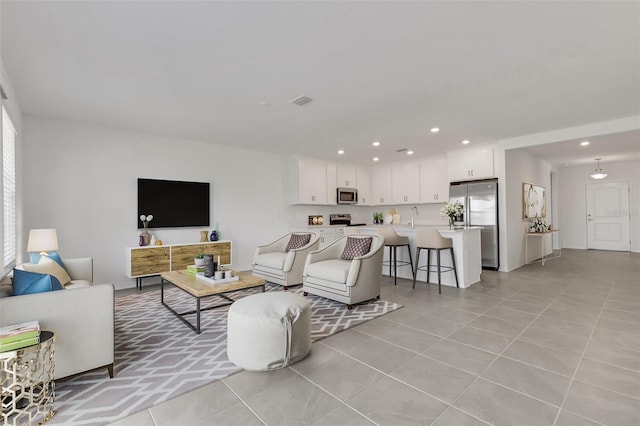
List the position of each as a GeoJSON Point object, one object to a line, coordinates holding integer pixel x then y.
{"type": "Point", "coordinates": [438, 266]}
{"type": "Point", "coordinates": [393, 262]}
{"type": "Point", "coordinates": [455, 271]}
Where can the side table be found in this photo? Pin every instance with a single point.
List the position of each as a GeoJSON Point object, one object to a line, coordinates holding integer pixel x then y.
{"type": "Point", "coordinates": [543, 253]}
{"type": "Point", "coordinates": [26, 376]}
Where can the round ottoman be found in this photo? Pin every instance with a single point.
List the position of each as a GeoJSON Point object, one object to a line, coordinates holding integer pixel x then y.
{"type": "Point", "coordinates": [267, 331]}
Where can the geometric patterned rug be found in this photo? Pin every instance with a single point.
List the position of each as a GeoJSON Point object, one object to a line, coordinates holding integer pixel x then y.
{"type": "Point", "coordinates": [157, 357]}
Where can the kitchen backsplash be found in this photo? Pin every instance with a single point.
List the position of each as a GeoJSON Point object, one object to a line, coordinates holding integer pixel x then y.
{"type": "Point", "coordinates": [428, 214]}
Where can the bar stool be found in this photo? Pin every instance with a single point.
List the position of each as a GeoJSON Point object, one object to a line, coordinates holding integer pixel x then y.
{"type": "Point", "coordinates": [430, 239]}
{"type": "Point", "coordinates": [393, 241]}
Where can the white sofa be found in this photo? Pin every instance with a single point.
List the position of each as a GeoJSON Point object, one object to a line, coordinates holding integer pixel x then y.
{"type": "Point", "coordinates": [347, 281]}
{"type": "Point", "coordinates": [81, 316]}
{"type": "Point", "coordinates": [272, 263]}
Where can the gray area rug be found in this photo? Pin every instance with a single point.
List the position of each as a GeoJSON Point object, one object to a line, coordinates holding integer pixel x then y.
{"type": "Point", "coordinates": [157, 357]}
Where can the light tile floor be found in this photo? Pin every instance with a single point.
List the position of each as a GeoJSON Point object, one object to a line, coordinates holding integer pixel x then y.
{"type": "Point", "coordinates": [558, 344]}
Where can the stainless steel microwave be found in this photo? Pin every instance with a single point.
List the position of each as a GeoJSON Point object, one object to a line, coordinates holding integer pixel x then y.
{"type": "Point", "coordinates": [347, 196]}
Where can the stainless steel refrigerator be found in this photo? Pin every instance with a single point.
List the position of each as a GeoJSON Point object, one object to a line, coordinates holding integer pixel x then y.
{"type": "Point", "coordinates": [480, 202]}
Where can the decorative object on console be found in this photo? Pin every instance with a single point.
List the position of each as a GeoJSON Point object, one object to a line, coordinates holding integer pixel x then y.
{"type": "Point", "coordinates": [215, 234]}
{"type": "Point", "coordinates": [451, 210]}
{"type": "Point", "coordinates": [145, 237]}
{"type": "Point", "coordinates": [599, 173]}
{"type": "Point", "coordinates": [539, 225]}
{"type": "Point", "coordinates": [203, 236]}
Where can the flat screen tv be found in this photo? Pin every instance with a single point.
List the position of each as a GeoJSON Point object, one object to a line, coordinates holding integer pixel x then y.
{"type": "Point", "coordinates": [173, 204]}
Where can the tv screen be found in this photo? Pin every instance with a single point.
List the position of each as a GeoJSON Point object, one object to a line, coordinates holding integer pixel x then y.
{"type": "Point", "coordinates": [173, 203]}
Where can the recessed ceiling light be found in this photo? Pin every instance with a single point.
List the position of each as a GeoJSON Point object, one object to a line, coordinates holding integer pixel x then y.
{"type": "Point", "coordinates": [375, 159]}
{"type": "Point", "coordinates": [584, 143]}
{"type": "Point", "coordinates": [409, 152]}
{"type": "Point", "coordinates": [465, 142]}
{"type": "Point", "coordinates": [341, 151]}
{"type": "Point", "coordinates": [265, 104]}
{"type": "Point", "coordinates": [376, 143]}
{"type": "Point", "coordinates": [435, 129]}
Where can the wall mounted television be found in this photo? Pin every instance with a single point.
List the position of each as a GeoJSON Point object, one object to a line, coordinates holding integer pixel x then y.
{"type": "Point", "coordinates": [173, 204]}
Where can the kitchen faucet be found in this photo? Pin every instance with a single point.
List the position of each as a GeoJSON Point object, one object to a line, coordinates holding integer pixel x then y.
{"type": "Point", "coordinates": [414, 208]}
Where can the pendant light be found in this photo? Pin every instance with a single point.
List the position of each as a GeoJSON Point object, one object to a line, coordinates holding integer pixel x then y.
{"type": "Point", "coordinates": [599, 173]}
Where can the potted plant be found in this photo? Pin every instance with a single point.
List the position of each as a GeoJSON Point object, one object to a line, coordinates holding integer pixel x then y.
{"type": "Point", "coordinates": [377, 217]}
{"type": "Point", "coordinates": [199, 259]}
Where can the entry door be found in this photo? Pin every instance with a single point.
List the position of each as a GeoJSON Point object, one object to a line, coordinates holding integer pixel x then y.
{"type": "Point", "coordinates": [608, 216]}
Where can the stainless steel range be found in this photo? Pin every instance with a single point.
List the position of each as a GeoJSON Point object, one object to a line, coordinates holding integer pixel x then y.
{"type": "Point", "coordinates": [340, 219]}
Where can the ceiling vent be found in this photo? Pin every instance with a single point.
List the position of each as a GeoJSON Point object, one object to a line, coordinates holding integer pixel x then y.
{"type": "Point", "coordinates": [401, 150]}
{"type": "Point", "coordinates": [4, 95]}
{"type": "Point", "coordinates": [302, 100]}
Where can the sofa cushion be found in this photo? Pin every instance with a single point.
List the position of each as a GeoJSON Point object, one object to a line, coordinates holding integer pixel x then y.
{"type": "Point", "coordinates": [297, 241]}
{"type": "Point", "coordinates": [78, 284]}
{"type": "Point", "coordinates": [25, 282]}
{"type": "Point", "coordinates": [356, 246]}
{"type": "Point", "coordinates": [335, 270]}
{"type": "Point", "coordinates": [47, 265]}
{"type": "Point", "coordinates": [35, 257]}
{"type": "Point", "coordinates": [274, 259]}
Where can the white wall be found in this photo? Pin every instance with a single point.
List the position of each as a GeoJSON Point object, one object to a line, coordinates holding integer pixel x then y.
{"type": "Point", "coordinates": [520, 166]}
{"type": "Point", "coordinates": [573, 204]}
{"type": "Point", "coordinates": [82, 180]}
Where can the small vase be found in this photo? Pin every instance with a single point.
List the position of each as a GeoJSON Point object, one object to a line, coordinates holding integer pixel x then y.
{"type": "Point", "coordinates": [214, 235]}
{"type": "Point", "coordinates": [450, 222]}
{"type": "Point", "coordinates": [145, 238]}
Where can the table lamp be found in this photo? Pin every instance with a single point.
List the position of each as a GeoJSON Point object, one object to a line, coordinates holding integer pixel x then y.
{"type": "Point", "coordinates": [42, 241]}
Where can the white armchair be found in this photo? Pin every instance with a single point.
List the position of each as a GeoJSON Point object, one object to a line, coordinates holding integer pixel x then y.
{"type": "Point", "coordinates": [326, 274]}
{"type": "Point", "coordinates": [274, 264]}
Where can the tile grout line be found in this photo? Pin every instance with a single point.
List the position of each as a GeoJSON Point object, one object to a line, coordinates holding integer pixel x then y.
{"type": "Point", "coordinates": [575, 372]}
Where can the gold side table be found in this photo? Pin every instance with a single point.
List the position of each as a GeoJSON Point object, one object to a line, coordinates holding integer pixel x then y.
{"type": "Point", "coordinates": [28, 389]}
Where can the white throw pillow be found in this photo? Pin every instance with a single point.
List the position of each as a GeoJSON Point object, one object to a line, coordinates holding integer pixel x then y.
{"type": "Point", "coordinates": [49, 266]}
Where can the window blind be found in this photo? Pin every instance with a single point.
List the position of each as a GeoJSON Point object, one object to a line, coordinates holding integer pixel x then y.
{"type": "Point", "coordinates": [9, 190]}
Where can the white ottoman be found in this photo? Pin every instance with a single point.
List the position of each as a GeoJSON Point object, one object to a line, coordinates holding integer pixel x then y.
{"type": "Point", "coordinates": [267, 331]}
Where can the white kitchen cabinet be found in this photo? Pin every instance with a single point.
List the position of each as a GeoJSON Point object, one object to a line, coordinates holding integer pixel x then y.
{"type": "Point", "coordinates": [364, 186]}
{"type": "Point", "coordinates": [405, 183]}
{"type": "Point", "coordinates": [347, 176]}
{"type": "Point", "coordinates": [434, 183]}
{"type": "Point", "coordinates": [331, 184]}
{"type": "Point", "coordinates": [308, 181]}
{"type": "Point", "coordinates": [381, 185]}
{"type": "Point", "coordinates": [470, 164]}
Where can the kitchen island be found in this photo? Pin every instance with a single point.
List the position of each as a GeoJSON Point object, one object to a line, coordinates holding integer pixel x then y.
{"type": "Point", "coordinates": [466, 248]}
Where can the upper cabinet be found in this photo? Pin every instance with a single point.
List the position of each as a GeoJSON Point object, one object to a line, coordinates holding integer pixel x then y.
{"type": "Point", "coordinates": [308, 179]}
{"type": "Point", "coordinates": [381, 185]}
{"type": "Point", "coordinates": [405, 183]}
{"type": "Point", "coordinates": [434, 184]}
{"type": "Point", "coordinates": [363, 186]}
{"type": "Point", "coordinates": [470, 164]}
{"type": "Point", "coordinates": [346, 176]}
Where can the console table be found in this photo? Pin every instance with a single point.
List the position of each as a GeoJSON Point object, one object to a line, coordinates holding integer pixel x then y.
{"type": "Point", "coordinates": [153, 260]}
{"type": "Point", "coordinates": [28, 389]}
{"type": "Point", "coordinates": [543, 252]}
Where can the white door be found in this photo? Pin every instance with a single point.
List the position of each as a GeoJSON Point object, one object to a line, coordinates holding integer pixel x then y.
{"type": "Point", "coordinates": [608, 216]}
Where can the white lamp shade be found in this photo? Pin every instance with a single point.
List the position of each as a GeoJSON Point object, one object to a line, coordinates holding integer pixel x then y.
{"type": "Point", "coordinates": [42, 240]}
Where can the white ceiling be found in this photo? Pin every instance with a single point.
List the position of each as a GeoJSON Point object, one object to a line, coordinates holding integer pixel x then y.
{"type": "Point", "coordinates": [387, 71]}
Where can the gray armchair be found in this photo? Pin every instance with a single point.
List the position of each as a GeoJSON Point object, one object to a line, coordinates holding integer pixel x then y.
{"type": "Point", "coordinates": [347, 281]}
{"type": "Point", "coordinates": [272, 263]}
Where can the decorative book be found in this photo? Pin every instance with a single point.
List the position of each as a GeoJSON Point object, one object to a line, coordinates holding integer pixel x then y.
{"type": "Point", "coordinates": [193, 269]}
{"type": "Point", "coordinates": [17, 344]}
{"type": "Point", "coordinates": [21, 331]}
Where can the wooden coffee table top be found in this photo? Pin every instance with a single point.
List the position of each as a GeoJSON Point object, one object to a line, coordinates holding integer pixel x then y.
{"type": "Point", "coordinates": [200, 288]}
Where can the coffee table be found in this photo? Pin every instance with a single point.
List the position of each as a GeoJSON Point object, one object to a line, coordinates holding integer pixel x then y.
{"type": "Point", "coordinates": [201, 289]}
